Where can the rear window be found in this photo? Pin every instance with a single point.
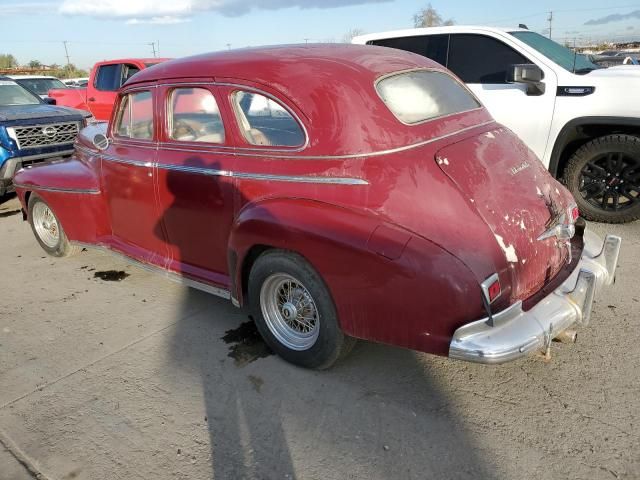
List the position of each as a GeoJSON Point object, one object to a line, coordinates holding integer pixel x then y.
{"type": "Point", "coordinates": [422, 95]}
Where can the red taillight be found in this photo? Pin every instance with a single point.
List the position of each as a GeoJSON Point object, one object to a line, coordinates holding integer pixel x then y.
{"type": "Point", "coordinates": [494, 290]}
{"type": "Point", "coordinates": [575, 213]}
{"type": "Point", "coordinates": [491, 288]}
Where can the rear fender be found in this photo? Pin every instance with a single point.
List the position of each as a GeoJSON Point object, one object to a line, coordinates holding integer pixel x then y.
{"type": "Point", "coordinates": [415, 300]}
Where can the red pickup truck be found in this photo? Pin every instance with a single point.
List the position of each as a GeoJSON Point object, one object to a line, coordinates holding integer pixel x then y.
{"type": "Point", "coordinates": [105, 80]}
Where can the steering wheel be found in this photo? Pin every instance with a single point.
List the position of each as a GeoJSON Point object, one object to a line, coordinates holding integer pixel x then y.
{"type": "Point", "coordinates": [182, 128]}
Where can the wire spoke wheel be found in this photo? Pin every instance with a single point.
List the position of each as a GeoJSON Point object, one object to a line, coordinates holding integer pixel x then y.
{"type": "Point", "coordinates": [611, 181]}
{"type": "Point", "coordinates": [46, 225]}
{"type": "Point", "coordinates": [290, 311]}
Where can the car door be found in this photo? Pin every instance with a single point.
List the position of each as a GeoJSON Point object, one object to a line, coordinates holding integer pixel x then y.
{"type": "Point", "coordinates": [129, 180]}
{"type": "Point", "coordinates": [483, 63]}
{"type": "Point", "coordinates": [108, 80]}
{"type": "Point", "coordinates": [195, 192]}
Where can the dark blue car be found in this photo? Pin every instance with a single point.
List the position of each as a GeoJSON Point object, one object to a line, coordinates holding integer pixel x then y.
{"type": "Point", "coordinates": [32, 130]}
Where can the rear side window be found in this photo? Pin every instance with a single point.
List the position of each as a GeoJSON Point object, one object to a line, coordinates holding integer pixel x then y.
{"type": "Point", "coordinates": [430, 46]}
{"type": "Point", "coordinates": [108, 77]}
{"type": "Point", "coordinates": [481, 59]}
{"type": "Point", "coordinates": [264, 121]}
{"type": "Point", "coordinates": [422, 95]}
{"type": "Point", "coordinates": [194, 116]}
{"type": "Point", "coordinates": [135, 116]}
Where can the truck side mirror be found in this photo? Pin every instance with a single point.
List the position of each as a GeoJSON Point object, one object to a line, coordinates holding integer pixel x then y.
{"type": "Point", "coordinates": [100, 141]}
{"type": "Point", "coordinates": [529, 74]}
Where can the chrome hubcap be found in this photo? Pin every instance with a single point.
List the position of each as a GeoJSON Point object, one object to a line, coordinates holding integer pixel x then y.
{"type": "Point", "coordinates": [289, 311]}
{"type": "Point", "coordinates": [46, 225]}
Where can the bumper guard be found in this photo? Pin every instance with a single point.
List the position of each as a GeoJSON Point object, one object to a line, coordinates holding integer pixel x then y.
{"type": "Point", "coordinates": [516, 333]}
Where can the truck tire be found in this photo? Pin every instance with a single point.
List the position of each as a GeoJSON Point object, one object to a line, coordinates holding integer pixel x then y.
{"type": "Point", "coordinates": [294, 312]}
{"type": "Point", "coordinates": [604, 177]}
{"type": "Point", "coordinates": [47, 229]}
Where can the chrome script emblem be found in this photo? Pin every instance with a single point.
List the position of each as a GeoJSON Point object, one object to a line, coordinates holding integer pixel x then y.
{"type": "Point", "coordinates": [519, 168]}
{"type": "Point", "coordinates": [49, 131]}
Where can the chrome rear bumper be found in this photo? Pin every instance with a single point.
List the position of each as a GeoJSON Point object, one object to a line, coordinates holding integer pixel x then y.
{"type": "Point", "coordinates": [516, 333]}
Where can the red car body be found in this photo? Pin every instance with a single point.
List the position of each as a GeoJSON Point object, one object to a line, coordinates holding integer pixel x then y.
{"type": "Point", "coordinates": [100, 100]}
{"type": "Point", "coordinates": [404, 223]}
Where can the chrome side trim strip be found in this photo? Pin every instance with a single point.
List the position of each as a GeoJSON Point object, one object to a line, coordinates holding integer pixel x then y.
{"type": "Point", "coordinates": [242, 175]}
{"type": "Point", "coordinates": [56, 189]}
{"type": "Point", "coordinates": [265, 176]}
{"type": "Point", "coordinates": [172, 276]}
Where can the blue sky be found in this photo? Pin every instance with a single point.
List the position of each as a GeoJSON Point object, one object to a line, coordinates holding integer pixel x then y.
{"type": "Point", "coordinates": [103, 29]}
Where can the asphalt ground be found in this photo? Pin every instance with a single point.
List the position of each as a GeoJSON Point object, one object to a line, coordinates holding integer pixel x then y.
{"type": "Point", "coordinates": [110, 375]}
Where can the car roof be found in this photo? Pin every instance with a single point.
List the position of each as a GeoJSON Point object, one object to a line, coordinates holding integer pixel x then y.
{"type": "Point", "coordinates": [34, 77]}
{"type": "Point", "coordinates": [414, 32]}
{"type": "Point", "coordinates": [330, 87]}
{"type": "Point", "coordinates": [276, 64]}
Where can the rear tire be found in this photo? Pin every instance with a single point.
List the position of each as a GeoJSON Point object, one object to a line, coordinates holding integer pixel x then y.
{"type": "Point", "coordinates": [294, 312]}
{"type": "Point", "coordinates": [47, 229]}
{"type": "Point", "coordinates": [604, 177]}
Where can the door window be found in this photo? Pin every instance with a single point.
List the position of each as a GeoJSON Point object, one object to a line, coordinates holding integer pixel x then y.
{"type": "Point", "coordinates": [135, 116]}
{"type": "Point", "coordinates": [264, 121]}
{"type": "Point", "coordinates": [194, 116]}
{"type": "Point", "coordinates": [108, 78]}
{"type": "Point", "coordinates": [430, 46]}
{"type": "Point", "coordinates": [481, 59]}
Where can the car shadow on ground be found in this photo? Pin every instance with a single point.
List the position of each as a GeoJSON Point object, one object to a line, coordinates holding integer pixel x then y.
{"type": "Point", "coordinates": [378, 414]}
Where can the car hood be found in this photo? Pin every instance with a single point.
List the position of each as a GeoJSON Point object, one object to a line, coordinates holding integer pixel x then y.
{"type": "Point", "coordinates": [619, 71]}
{"type": "Point", "coordinates": [35, 112]}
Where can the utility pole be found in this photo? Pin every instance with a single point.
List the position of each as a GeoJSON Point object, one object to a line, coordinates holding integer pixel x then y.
{"type": "Point", "coordinates": [158, 44]}
{"type": "Point", "coordinates": [66, 52]}
{"type": "Point", "coordinates": [306, 40]}
{"type": "Point", "coordinates": [153, 45]}
{"type": "Point", "coordinates": [228, 46]}
{"type": "Point", "coordinates": [550, 20]}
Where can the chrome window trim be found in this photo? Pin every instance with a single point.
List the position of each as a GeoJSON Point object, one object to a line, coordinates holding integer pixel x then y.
{"type": "Point", "coordinates": [168, 124]}
{"type": "Point", "coordinates": [58, 190]}
{"type": "Point", "coordinates": [248, 88]}
{"type": "Point", "coordinates": [162, 146]}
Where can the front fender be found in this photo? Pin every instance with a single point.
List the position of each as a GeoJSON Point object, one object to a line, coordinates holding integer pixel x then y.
{"type": "Point", "coordinates": [72, 190]}
{"type": "Point", "coordinates": [416, 300]}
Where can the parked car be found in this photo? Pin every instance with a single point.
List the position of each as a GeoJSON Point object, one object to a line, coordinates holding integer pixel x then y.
{"type": "Point", "coordinates": [338, 192]}
{"type": "Point", "coordinates": [577, 117]}
{"type": "Point", "coordinates": [105, 80]}
{"type": "Point", "coordinates": [76, 82]}
{"type": "Point", "coordinates": [31, 131]}
{"type": "Point", "coordinates": [38, 84]}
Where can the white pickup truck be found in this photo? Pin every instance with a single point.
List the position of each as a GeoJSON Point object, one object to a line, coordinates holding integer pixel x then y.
{"type": "Point", "coordinates": [583, 121]}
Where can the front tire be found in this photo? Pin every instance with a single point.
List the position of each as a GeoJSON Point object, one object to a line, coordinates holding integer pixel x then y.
{"type": "Point", "coordinates": [294, 312]}
{"type": "Point", "coordinates": [47, 229]}
{"type": "Point", "coordinates": [604, 177]}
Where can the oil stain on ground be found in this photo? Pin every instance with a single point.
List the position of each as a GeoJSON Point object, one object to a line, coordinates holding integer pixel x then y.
{"type": "Point", "coordinates": [111, 275]}
{"type": "Point", "coordinates": [246, 344]}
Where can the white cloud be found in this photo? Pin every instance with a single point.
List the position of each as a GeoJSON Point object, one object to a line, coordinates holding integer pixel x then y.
{"type": "Point", "coordinates": [165, 20]}
{"type": "Point", "coordinates": [171, 11]}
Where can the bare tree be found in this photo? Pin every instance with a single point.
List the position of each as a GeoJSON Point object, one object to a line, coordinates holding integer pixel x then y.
{"type": "Point", "coordinates": [8, 61]}
{"type": "Point", "coordinates": [429, 17]}
{"type": "Point", "coordinates": [354, 32]}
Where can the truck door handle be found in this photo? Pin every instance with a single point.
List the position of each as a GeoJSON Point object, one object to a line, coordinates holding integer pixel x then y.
{"type": "Point", "coordinates": [91, 99]}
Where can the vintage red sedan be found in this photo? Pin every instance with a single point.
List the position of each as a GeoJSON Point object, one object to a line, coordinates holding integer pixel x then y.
{"type": "Point", "coordinates": [337, 191]}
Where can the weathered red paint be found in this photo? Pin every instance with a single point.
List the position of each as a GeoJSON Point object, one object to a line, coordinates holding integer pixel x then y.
{"type": "Point", "coordinates": [402, 255]}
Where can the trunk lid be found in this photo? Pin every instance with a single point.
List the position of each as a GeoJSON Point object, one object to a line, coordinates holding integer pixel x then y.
{"type": "Point", "coordinates": [517, 198]}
